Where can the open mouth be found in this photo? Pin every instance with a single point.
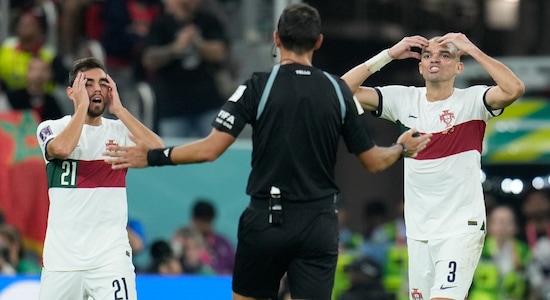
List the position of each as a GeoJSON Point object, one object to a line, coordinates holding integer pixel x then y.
{"type": "Point", "coordinates": [96, 100]}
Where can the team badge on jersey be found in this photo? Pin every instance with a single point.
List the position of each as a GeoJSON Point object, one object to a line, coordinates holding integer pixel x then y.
{"type": "Point", "coordinates": [45, 133]}
{"type": "Point", "coordinates": [416, 295]}
{"type": "Point", "coordinates": [447, 117]}
{"type": "Point", "coordinates": [110, 143]}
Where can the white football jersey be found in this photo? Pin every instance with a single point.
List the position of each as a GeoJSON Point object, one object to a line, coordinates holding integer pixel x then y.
{"type": "Point", "coordinates": [88, 210]}
{"type": "Point", "coordinates": [443, 191]}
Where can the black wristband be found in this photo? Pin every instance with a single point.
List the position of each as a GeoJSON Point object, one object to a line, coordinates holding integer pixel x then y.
{"type": "Point", "coordinates": [159, 157]}
{"type": "Point", "coordinates": [405, 149]}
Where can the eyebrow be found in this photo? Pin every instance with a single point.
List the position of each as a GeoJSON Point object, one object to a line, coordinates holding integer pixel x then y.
{"type": "Point", "coordinates": [441, 51]}
{"type": "Point", "coordinates": [103, 79]}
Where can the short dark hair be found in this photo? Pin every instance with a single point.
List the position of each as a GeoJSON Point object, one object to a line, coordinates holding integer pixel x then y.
{"type": "Point", "coordinates": [299, 27]}
{"type": "Point", "coordinates": [84, 64]}
{"type": "Point", "coordinates": [204, 210]}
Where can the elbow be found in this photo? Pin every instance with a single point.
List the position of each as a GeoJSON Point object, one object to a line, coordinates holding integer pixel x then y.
{"type": "Point", "coordinates": [375, 165]}
{"type": "Point", "coordinates": [375, 168]}
{"type": "Point", "coordinates": [519, 89]}
{"type": "Point", "coordinates": [59, 152]}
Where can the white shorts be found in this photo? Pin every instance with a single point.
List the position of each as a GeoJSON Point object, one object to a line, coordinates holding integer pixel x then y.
{"type": "Point", "coordinates": [443, 268]}
{"type": "Point", "coordinates": [113, 281]}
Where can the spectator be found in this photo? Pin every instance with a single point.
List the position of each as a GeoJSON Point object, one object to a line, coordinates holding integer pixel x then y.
{"type": "Point", "coordinates": [349, 243]}
{"type": "Point", "coordinates": [375, 213]}
{"type": "Point", "coordinates": [35, 95]}
{"type": "Point", "coordinates": [220, 249]}
{"type": "Point", "coordinates": [29, 41]}
{"type": "Point", "coordinates": [113, 31]}
{"type": "Point", "coordinates": [13, 255]}
{"type": "Point", "coordinates": [184, 48]}
{"type": "Point", "coordinates": [365, 275]}
{"type": "Point", "coordinates": [391, 240]}
{"type": "Point", "coordinates": [501, 270]}
{"type": "Point", "coordinates": [163, 260]}
{"type": "Point", "coordinates": [189, 246]}
{"type": "Point", "coordinates": [535, 208]}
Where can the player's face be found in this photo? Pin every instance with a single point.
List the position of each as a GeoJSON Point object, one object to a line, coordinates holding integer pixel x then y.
{"type": "Point", "coordinates": [439, 63]}
{"type": "Point", "coordinates": [98, 91]}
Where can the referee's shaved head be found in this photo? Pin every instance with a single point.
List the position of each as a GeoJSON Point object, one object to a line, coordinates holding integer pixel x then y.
{"type": "Point", "coordinates": [299, 27]}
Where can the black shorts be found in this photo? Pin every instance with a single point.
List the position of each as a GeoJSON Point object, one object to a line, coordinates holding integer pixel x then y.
{"type": "Point", "coordinates": [305, 246]}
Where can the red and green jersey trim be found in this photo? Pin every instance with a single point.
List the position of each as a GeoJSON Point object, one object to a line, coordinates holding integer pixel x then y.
{"type": "Point", "coordinates": [72, 173]}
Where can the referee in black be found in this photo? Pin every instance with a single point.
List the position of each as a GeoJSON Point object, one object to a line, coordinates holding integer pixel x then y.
{"type": "Point", "coordinates": [298, 114]}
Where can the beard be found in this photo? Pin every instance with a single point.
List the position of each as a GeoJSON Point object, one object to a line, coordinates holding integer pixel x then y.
{"type": "Point", "coordinates": [96, 111]}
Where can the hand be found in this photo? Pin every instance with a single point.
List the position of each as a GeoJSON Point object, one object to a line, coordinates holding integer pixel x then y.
{"type": "Point", "coordinates": [461, 42]}
{"type": "Point", "coordinates": [78, 92]}
{"type": "Point", "coordinates": [402, 49]}
{"type": "Point", "coordinates": [113, 98]}
{"type": "Point", "coordinates": [184, 38]}
{"type": "Point", "coordinates": [123, 157]}
{"type": "Point", "coordinates": [414, 141]}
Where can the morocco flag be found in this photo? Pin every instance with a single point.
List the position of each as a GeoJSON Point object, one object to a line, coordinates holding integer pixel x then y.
{"type": "Point", "coordinates": [23, 182]}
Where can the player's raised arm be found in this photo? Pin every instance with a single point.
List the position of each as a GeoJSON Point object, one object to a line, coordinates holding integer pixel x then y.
{"type": "Point", "coordinates": [355, 77]}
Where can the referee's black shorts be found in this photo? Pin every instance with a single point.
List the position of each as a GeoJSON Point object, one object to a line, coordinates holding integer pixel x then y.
{"type": "Point", "coordinates": [305, 246]}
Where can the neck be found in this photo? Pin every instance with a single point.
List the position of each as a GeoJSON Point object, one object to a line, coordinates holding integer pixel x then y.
{"type": "Point", "coordinates": [438, 91]}
{"type": "Point", "coordinates": [295, 60]}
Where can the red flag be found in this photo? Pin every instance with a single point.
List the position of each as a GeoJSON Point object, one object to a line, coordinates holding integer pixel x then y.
{"type": "Point", "coordinates": [23, 184]}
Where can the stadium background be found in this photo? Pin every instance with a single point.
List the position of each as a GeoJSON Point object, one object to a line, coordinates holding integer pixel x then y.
{"type": "Point", "coordinates": [517, 146]}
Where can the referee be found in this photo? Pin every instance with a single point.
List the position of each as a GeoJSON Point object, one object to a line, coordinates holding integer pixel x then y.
{"type": "Point", "coordinates": [298, 114]}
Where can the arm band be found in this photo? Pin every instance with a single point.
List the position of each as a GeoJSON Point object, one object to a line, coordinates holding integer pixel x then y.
{"type": "Point", "coordinates": [159, 157]}
{"type": "Point", "coordinates": [378, 61]}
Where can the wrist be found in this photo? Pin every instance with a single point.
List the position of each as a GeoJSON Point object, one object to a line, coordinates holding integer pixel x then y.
{"type": "Point", "coordinates": [159, 157]}
{"type": "Point", "coordinates": [378, 61]}
{"type": "Point", "coordinates": [404, 149]}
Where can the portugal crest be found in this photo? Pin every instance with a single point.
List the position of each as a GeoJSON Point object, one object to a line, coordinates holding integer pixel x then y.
{"type": "Point", "coordinates": [447, 117]}
{"type": "Point", "coordinates": [416, 295]}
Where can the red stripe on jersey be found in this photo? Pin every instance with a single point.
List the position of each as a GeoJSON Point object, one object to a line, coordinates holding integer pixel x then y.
{"type": "Point", "coordinates": [97, 173]}
{"type": "Point", "coordinates": [461, 138]}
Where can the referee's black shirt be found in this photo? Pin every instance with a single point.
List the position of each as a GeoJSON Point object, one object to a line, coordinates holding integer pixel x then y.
{"type": "Point", "coordinates": [295, 138]}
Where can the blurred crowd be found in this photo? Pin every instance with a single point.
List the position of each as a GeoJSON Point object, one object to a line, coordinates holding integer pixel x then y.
{"type": "Point", "coordinates": [171, 59]}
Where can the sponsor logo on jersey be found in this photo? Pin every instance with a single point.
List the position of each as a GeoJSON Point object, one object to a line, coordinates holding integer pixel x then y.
{"type": "Point", "coordinates": [443, 287]}
{"type": "Point", "coordinates": [45, 133]}
{"type": "Point", "coordinates": [226, 119]}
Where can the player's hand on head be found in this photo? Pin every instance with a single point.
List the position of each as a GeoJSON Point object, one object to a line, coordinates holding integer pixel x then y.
{"type": "Point", "coordinates": [414, 141]}
{"type": "Point", "coordinates": [124, 157]}
{"type": "Point", "coordinates": [113, 97]}
{"type": "Point", "coordinates": [79, 93]}
{"type": "Point", "coordinates": [459, 40]}
{"type": "Point", "coordinates": [406, 47]}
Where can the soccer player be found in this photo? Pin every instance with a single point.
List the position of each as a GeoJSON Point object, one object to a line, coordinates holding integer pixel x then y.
{"type": "Point", "coordinates": [444, 208]}
{"type": "Point", "coordinates": [86, 250]}
{"type": "Point", "coordinates": [298, 114]}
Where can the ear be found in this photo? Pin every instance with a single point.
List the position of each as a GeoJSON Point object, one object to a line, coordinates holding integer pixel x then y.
{"type": "Point", "coordinates": [459, 68]}
{"type": "Point", "coordinates": [420, 68]}
{"type": "Point", "coordinates": [319, 42]}
{"type": "Point", "coordinates": [69, 91]}
{"type": "Point", "coordinates": [276, 39]}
